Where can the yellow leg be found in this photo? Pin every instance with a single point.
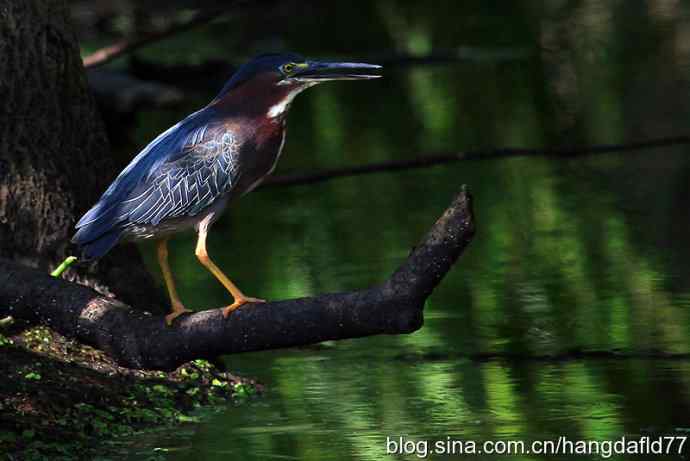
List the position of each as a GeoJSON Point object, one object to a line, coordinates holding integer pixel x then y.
{"type": "Point", "coordinates": [238, 297]}
{"type": "Point", "coordinates": [177, 306]}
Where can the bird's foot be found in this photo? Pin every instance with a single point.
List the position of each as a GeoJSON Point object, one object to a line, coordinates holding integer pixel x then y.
{"type": "Point", "coordinates": [239, 302]}
{"type": "Point", "coordinates": [177, 310]}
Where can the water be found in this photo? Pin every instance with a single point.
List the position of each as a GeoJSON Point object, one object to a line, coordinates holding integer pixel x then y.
{"type": "Point", "coordinates": [587, 254]}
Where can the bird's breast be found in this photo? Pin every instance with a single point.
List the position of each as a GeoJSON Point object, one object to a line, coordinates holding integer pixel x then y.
{"type": "Point", "coordinates": [259, 156]}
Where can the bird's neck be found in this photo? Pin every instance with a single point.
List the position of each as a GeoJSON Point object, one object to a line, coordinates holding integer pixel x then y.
{"type": "Point", "coordinates": [256, 112]}
{"type": "Point", "coordinates": [260, 100]}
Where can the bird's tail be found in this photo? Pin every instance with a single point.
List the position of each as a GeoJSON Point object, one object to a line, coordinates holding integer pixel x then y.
{"type": "Point", "coordinates": [94, 249]}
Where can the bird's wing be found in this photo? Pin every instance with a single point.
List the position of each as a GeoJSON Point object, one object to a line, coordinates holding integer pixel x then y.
{"type": "Point", "coordinates": [186, 185]}
{"type": "Point", "coordinates": [177, 173]}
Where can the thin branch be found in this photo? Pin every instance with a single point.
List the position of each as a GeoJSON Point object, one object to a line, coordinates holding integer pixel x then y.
{"type": "Point", "coordinates": [137, 339]}
{"type": "Point", "coordinates": [445, 56]}
{"type": "Point", "coordinates": [425, 161]}
{"type": "Point", "coordinates": [111, 52]}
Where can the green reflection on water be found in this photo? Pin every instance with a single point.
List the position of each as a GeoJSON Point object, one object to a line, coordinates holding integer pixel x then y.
{"type": "Point", "coordinates": [588, 253]}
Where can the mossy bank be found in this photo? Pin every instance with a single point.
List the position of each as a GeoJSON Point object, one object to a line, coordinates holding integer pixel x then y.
{"type": "Point", "coordinates": [62, 400]}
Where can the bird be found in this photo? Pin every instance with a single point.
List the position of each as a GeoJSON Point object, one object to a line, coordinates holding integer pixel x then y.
{"type": "Point", "coordinates": [185, 178]}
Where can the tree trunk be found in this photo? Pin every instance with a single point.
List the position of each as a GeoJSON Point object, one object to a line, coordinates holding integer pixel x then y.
{"type": "Point", "coordinates": [54, 160]}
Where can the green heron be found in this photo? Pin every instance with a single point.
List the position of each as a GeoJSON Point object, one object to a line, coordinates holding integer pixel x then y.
{"type": "Point", "coordinates": [186, 176]}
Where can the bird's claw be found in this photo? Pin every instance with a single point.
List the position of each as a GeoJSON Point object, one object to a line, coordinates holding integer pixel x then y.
{"type": "Point", "coordinates": [174, 314]}
{"type": "Point", "coordinates": [239, 302]}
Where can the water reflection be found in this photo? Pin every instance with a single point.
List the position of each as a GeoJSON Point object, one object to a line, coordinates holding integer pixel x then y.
{"type": "Point", "coordinates": [432, 401]}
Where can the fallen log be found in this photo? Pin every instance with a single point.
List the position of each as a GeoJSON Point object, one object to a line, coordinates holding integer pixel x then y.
{"type": "Point", "coordinates": [137, 339]}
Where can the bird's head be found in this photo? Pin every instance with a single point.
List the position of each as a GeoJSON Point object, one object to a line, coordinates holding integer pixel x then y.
{"type": "Point", "coordinates": [280, 77]}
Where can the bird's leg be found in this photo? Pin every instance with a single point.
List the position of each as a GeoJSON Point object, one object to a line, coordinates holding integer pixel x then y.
{"type": "Point", "coordinates": [238, 296]}
{"type": "Point", "coordinates": [177, 306]}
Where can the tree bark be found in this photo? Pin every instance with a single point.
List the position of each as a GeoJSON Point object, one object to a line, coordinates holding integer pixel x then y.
{"type": "Point", "coordinates": [137, 339]}
{"type": "Point", "coordinates": [54, 160]}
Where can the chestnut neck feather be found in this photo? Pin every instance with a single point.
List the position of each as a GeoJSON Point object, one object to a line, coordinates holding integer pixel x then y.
{"type": "Point", "coordinates": [246, 110]}
{"type": "Point", "coordinates": [254, 99]}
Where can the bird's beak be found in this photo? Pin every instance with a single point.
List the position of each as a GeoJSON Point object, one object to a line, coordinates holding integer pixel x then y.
{"type": "Point", "coordinates": [317, 71]}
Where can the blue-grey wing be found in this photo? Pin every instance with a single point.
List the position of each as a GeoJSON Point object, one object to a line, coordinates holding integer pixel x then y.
{"type": "Point", "coordinates": [178, 173]}
{"type": "Point", "coordinates": [189, 184]}
{"type": "Point", "coordinates": [168, 145]}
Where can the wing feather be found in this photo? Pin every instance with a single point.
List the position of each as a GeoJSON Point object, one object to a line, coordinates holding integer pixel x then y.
{"type": "Point", "coordinates": [179, 173]}
{"type": "Point", "coordinates": [185, 187]}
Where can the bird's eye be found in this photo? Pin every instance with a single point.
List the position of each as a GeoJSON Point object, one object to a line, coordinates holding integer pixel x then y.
{"type": "Point", "coordinates": [289, 67]}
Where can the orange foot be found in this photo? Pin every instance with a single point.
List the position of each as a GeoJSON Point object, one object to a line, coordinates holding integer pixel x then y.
{"type": "Point", "coordinates": [239, 302]}
{"type": "Point", "coordinates": [177, 310]}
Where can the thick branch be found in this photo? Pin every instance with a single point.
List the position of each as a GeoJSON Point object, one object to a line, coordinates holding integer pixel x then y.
{"type": "Point", "coordinates": [429, 160]}
{"type": "Point", "coordinates": [139, 340]}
